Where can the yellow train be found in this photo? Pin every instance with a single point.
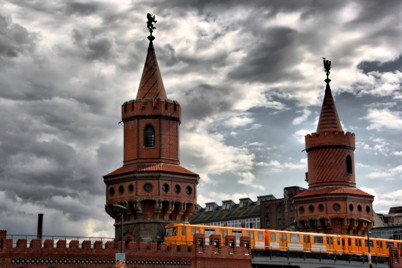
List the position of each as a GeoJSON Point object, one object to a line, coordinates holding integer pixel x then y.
{"type": "Point", "coordinates": [265, 239]}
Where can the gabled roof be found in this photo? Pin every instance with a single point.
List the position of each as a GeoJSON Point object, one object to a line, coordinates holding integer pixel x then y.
{"type": "Point", "coordinates": [329, 120]}
{"type": "Point", "coordinates": [151, 84]}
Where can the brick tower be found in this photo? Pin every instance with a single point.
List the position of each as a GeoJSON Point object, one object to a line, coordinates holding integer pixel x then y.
{"type": "Point", "coordinates": [332, 203]}
{"type": "Point", "coordinates": [151, 184]}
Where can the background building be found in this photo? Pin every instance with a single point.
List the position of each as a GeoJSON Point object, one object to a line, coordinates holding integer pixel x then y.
{"type": "Point", "coordinates": [391, 226]}
{"type": "Point", "coordinates": [280, 213]}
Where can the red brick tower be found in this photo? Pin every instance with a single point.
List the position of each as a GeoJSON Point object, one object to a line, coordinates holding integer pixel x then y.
{"type": "Point", "coordinates": [151, 184]}
{"type": "Point", "coordinates": [332, 203]}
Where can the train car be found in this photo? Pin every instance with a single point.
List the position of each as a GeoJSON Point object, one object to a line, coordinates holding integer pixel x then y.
{"type": "Point", "coordinates": [182, 233]}
{"type": "Point", "coordinates": [265, 239]}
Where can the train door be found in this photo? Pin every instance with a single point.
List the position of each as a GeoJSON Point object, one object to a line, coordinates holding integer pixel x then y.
{"type": "Point", "coordinates": [273, 240]}
{"type": "Point", "coordinates": [330, 244]}
{"type": "Point", "coordinates": [283, 241]}
{"type": "Point", "coordinates": [318, 244]}
{"type": "Point", "coordinates": [344, 245]}
{"type": "Point", "coordinates": [307, 242]}
{"type": "Point", "coordinates": [259, 240]}
{"type": "Point", "coordinates": [294, 242]}
{"type": "Point", "coordinates": [237, 234]}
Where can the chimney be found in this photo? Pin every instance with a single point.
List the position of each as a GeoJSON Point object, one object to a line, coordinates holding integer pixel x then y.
{"type": "Point", "coordinates": [40, 226]}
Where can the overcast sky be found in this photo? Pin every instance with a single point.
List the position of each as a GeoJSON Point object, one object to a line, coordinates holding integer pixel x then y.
{"type": "Point", "coordinates": [249, 78]}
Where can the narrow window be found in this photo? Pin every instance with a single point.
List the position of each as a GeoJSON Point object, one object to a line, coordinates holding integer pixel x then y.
{"type": "Point", "coordinates": [349, 164]}
{"type": "Point", "coordinates": [149, 136]}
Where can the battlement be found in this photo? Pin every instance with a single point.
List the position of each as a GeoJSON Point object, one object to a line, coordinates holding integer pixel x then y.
{"type": "Point", "coordinates": [102, 254]}
{"type": "Point", "coordinates": [149, 108]}
{"type": "Point", "coordinates": [346, 139]}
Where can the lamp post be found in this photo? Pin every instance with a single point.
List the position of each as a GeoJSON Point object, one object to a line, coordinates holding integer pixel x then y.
{"type": "Point", "coordinates": [120, 209]}
{"type": "Point", "coordinates": [368, 241]}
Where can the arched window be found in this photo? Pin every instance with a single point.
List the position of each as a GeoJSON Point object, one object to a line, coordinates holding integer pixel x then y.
{"type": "Point", "coordinates": [149, 136]}
{"type": "Point", "coordinates": [349, 167]}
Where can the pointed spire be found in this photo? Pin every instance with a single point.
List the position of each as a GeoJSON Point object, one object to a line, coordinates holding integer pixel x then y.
{"type": "Point", "coordinates": [329, 120]}
{"type": "Point", "coordinates": [151, 84]}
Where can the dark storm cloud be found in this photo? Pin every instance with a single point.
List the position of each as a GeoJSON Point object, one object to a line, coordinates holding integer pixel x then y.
{"type": "Point", "coordinates": [269, 60]}
{"type": "Point", "coordinates": [81, 8]}
{"type": "Point", "coordinates": [14, 39]}
{"type": "Point", "coordinates": [388, 66]}
{"type": "Point", "coordinates": [205, 100]}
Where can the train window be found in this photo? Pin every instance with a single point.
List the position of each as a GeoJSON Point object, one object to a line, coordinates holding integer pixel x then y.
{"type": "Point", "coordinates": [318, 239]}
{"type": "Point", "coordinates": [195, 231]}
{"type": "Point", "coordinates": [379, 244]}
{"type": "Point", "coordinates": [208, 232]}
{"type": "Point", "coordinates": [329, 240]}
{"type": "Point", "coordinates": [237, 233]}
{"type": "Point", "coordinates": [339, 241]}
{"type": "Point", "coordinates": [389, 244]}
{"type": "Point", "coordinates": [358, 242]}
{"type": "Point", "coordinates": [349, 241]}
{"type": "Point", "coordinates": [183, 231]}
{"type": "Point", "coordinates": [366, 243]}
{"type": "Point", "coordinates": [171, 231]}
{"type": "Point", "coordinates": [272, 236]}
{"type": "Point", "coordinates": [260, 236]}
{"type": "Point", "coordinates": [294, 238]}
{"type": "Point", "coordinates": [282, 237]}
{"type": "Point", "coordinates": [306, 239]}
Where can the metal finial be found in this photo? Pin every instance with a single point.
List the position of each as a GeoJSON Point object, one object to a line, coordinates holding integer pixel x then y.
{"type": "Point", "coordinates": [150, 25]}
{"type": "Point", "coordinates": [327, 67]}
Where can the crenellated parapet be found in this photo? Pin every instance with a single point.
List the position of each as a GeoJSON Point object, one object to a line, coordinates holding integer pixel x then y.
{"type": "Point", "coordinates": [336, 139]}
{"type": "Point", "coordinates": [151, 108]}
{"type": "Point", "coordinates": [101, 254]}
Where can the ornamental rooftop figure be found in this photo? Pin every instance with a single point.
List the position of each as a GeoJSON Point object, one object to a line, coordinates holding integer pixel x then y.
{"type": "Point", "coordinates": [332, 203]}
{"type": "Point", "coordinates": [151, 184]}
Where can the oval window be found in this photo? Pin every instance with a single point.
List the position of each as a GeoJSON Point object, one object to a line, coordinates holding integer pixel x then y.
{"type": "Point", "coordinates": [311, 208]}
{"type": "Point", "coordinates": [189, 190]}
{"type": "Point", "coordinates": [336, 207]}
{"type": "Point", "coordinates": [165, 187]}
{"type": "Point", "coordinates": [111, 191]}
{"type": "Point", "coordinates": [177, 188]}
{"type": "Point", "coordinates": [121, 189]}
{"type": "Point", "coordinates": [131, 188]}
{"type": "Point", "coordinates": [147, 187]}
{"type": "Point", "coordinates": [351, 207]}
{"type": "Point", "coordinates": [321, 207]}
{"type": "Point", "coordinates": [301, 209]}
{"type": "Point", "coordinates": [368, 209]}
{"type": "Point", "coordinates": [359, 208]}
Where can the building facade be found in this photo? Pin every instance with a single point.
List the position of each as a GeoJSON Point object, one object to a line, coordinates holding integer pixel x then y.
{"type": "Point", "coordinates": [151, 184]}
{"type": "Point", "coordinates": [391, 226]}
{"type": "Point", "coordinates": [244, 214]}
{"type": "Point", "coordinates": [280, 214]}
{"type": "Point", "coordinates": [332, 203]}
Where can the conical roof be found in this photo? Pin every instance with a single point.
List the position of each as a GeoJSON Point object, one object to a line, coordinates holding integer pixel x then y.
{"type": "Point", "coordinates": [151, 84]}
{"type": "Point", "coordinates": [329, 120]}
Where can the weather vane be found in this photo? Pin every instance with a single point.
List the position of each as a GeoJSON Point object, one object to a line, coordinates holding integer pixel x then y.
{"type": "Point", "coordinates": [150, 25]}
{"type": "Point", "coordinates": [327, 67]}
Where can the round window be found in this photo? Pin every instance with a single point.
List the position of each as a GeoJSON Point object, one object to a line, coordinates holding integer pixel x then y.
{"type": "Point", "coordinates": [177, 188]}
{"type": "Point", "coordinates": [165, 187]}
{"type": "Point", "coordinates": [301, 209]}
{"type": "Point", "coordinates": [351, 207]}
{"type": "Point", "coordinates": [311, 208]}
{"type": "Point", "coordinates": [368, 209]}
{"type": "Point", "coordinates": [336, 207]}
{"type": "Point", "coordinates": [111, 191]}
{"type": "Point", "coordinates": [147, 187]}
{"type": "Point", "coordinates": [321, 207]}
{"type": "Point", "coordinates": [121, 189]}
{"type": "Point", "coordinates": [189, 190]}
{"type": "Point", "coordinates": [131, 188]}
{"type": "Point", "coordinates": [359, 208]}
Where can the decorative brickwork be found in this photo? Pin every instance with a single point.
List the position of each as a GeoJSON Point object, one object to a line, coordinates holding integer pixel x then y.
{"type": "Point", "coordinates": [62, 254]}
{"type": "Point", "coordinates": [332, 204]}
{"type": "Point", "coordinates": [151, 184]}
